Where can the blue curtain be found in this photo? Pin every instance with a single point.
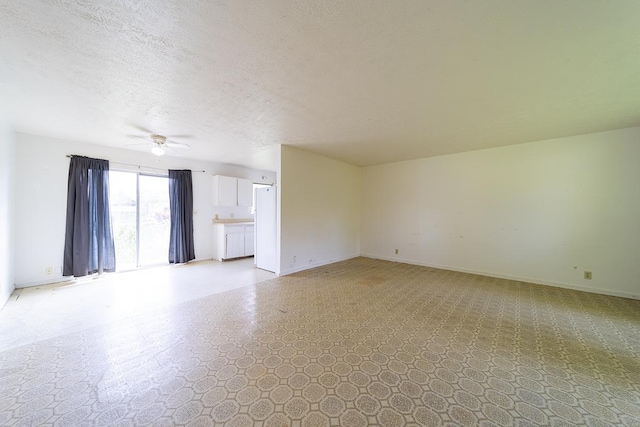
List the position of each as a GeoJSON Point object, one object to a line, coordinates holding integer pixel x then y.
{"type": "Point", "coordinates": [181, 248]}
{"type": "Point", "coordinates": [88, 246]}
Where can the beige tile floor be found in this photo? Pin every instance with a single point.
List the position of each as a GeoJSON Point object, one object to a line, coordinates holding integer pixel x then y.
{"type": "Point", "coordinates": [361, 342]}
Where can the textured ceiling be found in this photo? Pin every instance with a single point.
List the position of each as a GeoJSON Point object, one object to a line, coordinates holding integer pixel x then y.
{"type": "Point", "coordinates": [366, 82]}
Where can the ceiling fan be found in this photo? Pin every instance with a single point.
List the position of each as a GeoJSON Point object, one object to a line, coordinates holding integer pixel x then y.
{"type": "Point", "coordinates": [159, 143]}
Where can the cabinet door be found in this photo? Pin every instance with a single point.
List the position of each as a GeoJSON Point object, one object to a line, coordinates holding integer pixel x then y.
{"type": "Point", "coordinates": [225, 191]}
{"type": "Point", "coordinates": [234, 243]}
{"type": "Point", "coordinates": [219, 246]}
{"type": "Point", "coordinates": [245, 192]}
{"type": "Point", "coordinates": [248, 241]}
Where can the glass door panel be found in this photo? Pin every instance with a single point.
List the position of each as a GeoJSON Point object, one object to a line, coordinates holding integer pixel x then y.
{"type": "Point", "coordinates": [154, 225]}
{"type": "Point", "coordinates": [122, 198]}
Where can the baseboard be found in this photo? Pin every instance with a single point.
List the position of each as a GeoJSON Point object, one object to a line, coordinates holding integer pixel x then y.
{"type": "Point", "coordinates": [71, 279]}
{"type": "Point", "coordinates": [439, 266]}
{"type": "Point", "coordinates": [315, 264]}
{"type": "Point", "coordinates": [43, 282]}
{"type": "Point", "coordinates": [7, 297]}
{"type": "Point", "coordinates": [509, 277]}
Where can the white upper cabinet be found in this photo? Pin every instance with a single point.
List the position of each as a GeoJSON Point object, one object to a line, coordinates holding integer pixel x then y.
{"type": "Point", "coordinates": [230, 191]}
{"type": "Point", "coordinates": [225, 191]}
{"type": "Point", "coordinates": [245, 192]}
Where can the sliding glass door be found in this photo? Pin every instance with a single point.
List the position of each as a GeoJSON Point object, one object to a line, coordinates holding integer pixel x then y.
{"type": "Point", "coordinates": [140, 216]}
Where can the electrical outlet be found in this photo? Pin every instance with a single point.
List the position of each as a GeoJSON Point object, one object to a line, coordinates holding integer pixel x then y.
{"type": "Point", "coordinates": [294, 258]}
{"type": "Point", "coordinates": [48, 271]}
{"type": "Point", "coordinates": [587, 275]}
{"type": "Point", "coordinates": [396, 252]}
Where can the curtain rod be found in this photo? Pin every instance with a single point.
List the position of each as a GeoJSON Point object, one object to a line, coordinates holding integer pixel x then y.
{"type": "Point", "coordinates": [135, 166]}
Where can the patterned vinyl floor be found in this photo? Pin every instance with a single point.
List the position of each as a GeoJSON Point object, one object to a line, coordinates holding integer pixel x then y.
{"type": "Point", "coordinates": [361, 342]}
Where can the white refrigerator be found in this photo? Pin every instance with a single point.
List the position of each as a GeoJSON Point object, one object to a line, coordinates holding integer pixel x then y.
{"type": "Point", "coordinates": [265, 223]}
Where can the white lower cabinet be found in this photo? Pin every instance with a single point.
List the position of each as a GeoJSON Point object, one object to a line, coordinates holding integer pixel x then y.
{"type": "Point", "coordinates": [249, 241]}
{"type": "Point", "coordinates": [233, 241]}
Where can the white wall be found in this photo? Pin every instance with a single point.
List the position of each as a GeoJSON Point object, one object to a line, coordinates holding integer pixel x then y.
{"type": "Point", "coordinates": [6, 212]}
{"type": "Point", "coordinates": [319, 210]}
{"type": "Point", "coordinates": [542, 212]}
{"type": "Point", "coordinates": [41, 192]}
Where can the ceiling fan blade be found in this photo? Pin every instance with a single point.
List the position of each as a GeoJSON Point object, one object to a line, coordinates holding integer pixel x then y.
{"type": "Point", "coordinates": [178, 145]}
{"type": "Point", "coordinates": [141, 128]}
{"type": "Point", "coordinates": [138, 136]}
{"type": "Point", "coordinates": [180, 136]}
{"type": "Point", "coordinates": [136, 145]}
{"type": "Point", "coordinates": [174, 150]}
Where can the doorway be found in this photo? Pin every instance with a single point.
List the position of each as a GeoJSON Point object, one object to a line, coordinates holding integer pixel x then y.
{"type": "Point", "coordinates": [140, 218]}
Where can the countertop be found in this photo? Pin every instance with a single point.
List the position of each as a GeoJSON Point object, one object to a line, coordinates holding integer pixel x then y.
{"type": "Point", "coordinates": [233, 221]}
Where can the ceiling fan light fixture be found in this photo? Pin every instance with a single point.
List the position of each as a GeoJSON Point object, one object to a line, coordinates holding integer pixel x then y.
{"type": "Point", "coordinates": [158, 151]}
